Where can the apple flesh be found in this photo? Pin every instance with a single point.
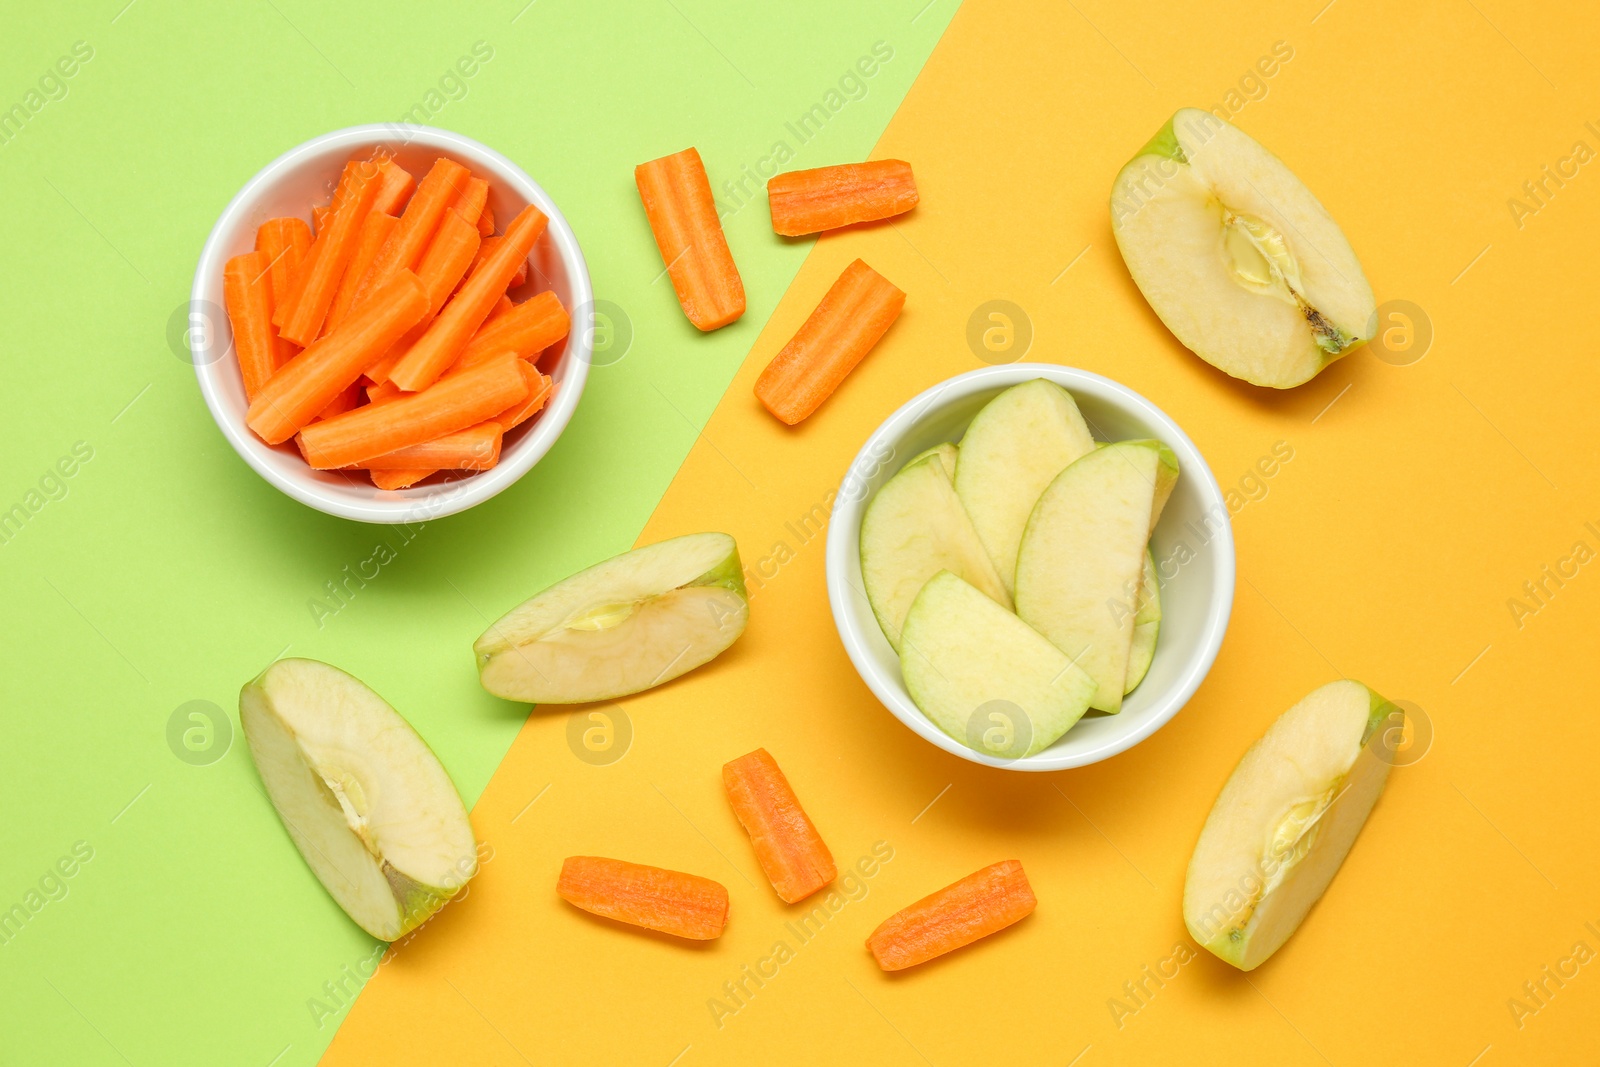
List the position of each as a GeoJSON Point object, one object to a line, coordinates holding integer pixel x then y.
{"type": "Point", "coordinates": [913, 528]}
{"type": "Point", "coordinates": [1236, 256]}
{"type": "Point", "coordinates": [366, 802]}
{"type": "Point", "coordinates": [1012, 450]}
{"type": "Point", "coordinates": [984, 676]}
{"type": "Point", "coordinates": [627, 624]}
{"type": "Point", "coordinates": [1285, 821]}
{"type": "Point", "coordinates": [1083, 554]}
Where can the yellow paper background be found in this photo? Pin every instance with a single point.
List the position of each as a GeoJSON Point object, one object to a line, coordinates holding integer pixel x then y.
{"type": "Point", "coordinates": [1419, 500]}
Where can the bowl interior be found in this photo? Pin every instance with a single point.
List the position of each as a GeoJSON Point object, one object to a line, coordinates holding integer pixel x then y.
{"type": "Point", "coordinates": [291, 186]}
{"type": "Point", "coordinates": [1192, 546]}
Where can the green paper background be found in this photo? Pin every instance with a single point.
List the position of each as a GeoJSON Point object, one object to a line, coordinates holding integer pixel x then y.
{"type": "Point", "coordinates": [164, 571]}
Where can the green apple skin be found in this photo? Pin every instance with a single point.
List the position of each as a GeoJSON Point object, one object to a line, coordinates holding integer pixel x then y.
{"type": "Point", "coordinates": [1284, 822]}
{"type": "Point", "coordinates": [1236, 256]}
{"type": "Point", "coordinates": [627, 624]}
{"type": "Point", "coordinates": [1146, 625]}
{"type": "Point", "coordinates": [961, 652]}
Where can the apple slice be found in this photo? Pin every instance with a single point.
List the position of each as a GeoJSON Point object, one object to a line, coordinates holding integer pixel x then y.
{"type": "Point", "coordinates": [1146, 625]}
{"type": "Point", "coordinates": [1012, 450]}
{"type": "Point", "coordinates": [947, 454]}
{"type": "Point", "coordinates": [633, 622]}
{"type": "Point", "coordinates": [1284, 822]}
{"type": "Point", "coordinates": [984, 676]}
{"type": "Point", "coordinates": [366, 802]}
{"type": "Point", "coordinates": [1236, 256]}
{"type": "Point", "coordinates": [1083, 555]}
{"type": "Point", "coordinates": [914, 528]}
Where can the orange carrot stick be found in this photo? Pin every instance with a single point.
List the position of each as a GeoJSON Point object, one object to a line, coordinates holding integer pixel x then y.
{"type": "Point", "coordinates": [473, 200]}
{"type": "Point", "coordinates": [853, 315]}
{"type": "Point", "coordinates": [309, 382]}
{"type": "Point", "coordinates": [980, 904]}
{"type": "Point", "coordinates": [501, 306]}
{"type": "Point", "coordinates": [792, 854]}
{"type": "Point", "coordinates": [683, 216]}
{"type": "Point", "coordinates": [527, 329]}
{"type": "Point", "coordinates": [374, 231]}
{"type": "Point", "coordinates": [284, 242]}
{"type": "Point", "coordinates": [247, 291]}
{"type": "Point", "coordinates": [477, 448]}
{"type": "Point", "coordinates": [486, 249]}
{"type": "Point", "coordinates": [459, 401]}
{"type": "Point", "coordinates": [486, 221]}
{"type": "Point", "coordinates": [810, 201]}
{"type": "Point", "coordinates": [672, 902]}
{"type": "Point", "coordinates": [448, 257]}
{"type": "Point", "coordinates": [540, 386]}
{"type": "Point", "coordinates": [395, 184]}
{"type": "Point", "coordinates": [399, 479]}
{"type": "Point", "coordinates": [349, 398]}
{"type": "Point", "coordinates": [461, 317]}
{"type": "Point", "coordinates": [325, 262]}
{"type": "Point", "coordinates": [438, 189]}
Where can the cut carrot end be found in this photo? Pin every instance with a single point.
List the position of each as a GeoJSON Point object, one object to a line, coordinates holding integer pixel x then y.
{"type": "Point", "coordinates": [247, 292]}
{"type": "Point", "coordinates": [852, 317]}
{"type": "Point", "coordinates": [981, 904]}
{"type": "Point", "coordinates": [670, 902]}
{"type": "Point", "coordinates": [395, 185]}
{"type": "Point", "coordinates": [683, 217]}
{"type": "Point", "coordinates": [792, 854]}
{"type": "Point", "coordinates": [540, 388]}
{"type": "Point", "coordinates": [810, 201]}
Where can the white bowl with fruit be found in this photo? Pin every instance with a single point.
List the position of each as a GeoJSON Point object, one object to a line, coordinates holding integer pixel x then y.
{"type": "Point", "coordinates": [1031, 566]}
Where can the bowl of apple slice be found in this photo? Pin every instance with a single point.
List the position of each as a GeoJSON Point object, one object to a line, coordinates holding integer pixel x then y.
{"type": "Point", "coordinates": [1031, 566]}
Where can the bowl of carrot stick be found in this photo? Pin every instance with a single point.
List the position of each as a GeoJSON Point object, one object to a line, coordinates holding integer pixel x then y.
{"type": "Point", "coordinates": [382, 323]}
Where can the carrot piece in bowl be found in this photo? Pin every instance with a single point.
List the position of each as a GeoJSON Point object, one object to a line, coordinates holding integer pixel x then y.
{"type": "Point", "coordinates": [247, 292]}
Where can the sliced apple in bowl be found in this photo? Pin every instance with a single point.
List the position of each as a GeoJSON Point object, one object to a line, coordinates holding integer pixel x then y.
{"type": "Point", "coordinates": [632, 622]}
{"type": "Point", "coordinates": [1238, 258]}
{"type": "Point", "coordinates": [1285, 821]}
{"type": "Point", "coordinates": [364, 799]}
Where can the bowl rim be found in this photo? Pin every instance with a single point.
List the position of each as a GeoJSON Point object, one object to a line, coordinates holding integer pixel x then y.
{"type": "Point", "coordinates": [426, 502]}
{"type": "Point", "coordinates": [844, 531]}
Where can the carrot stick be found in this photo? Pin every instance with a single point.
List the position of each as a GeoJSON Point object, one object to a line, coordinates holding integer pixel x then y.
{"type": "Point", "coordinates": [487, 248]}
{"type": "Point", "coordinates": [683, 216]}
{"type": "Point", "coordinates": [247, 291]}
{"type": "Point", "coordinates": [472, 202]}
{"type": "Point", "coordinates": [399, 479]}
{"type": "Point", "coordinates": [527, 329]}
{"type": "Point", "coordinates": [284, 242]}
{"type": "Point", "coordinates": [853, 315]}
{"type": "Point", "coordinates": [975, 907]}
{"type": "Point", "coordinates": [374, 231]}
{"type": "Point", "coordinates": [477, 448]}
{"type": "Point", "coordinates": [501, 306]}
{"type": "Point", "coordinates": [349, 398]}
{"type": "Point", "coordinates": [395, 184]}
{"type": "Point", "coordinates": [540, 386]}
{"type": "Point", "coordinates": [447, 259]}
{"type": "Point", "coordinates": [403, 251]}
{"type": "Point", "coordinates": [810, 201]}
{"type": "Point", "coordinates": [672, 902]}
{"type": "Point", "coordinates": [792, 854]}
{"type": "Point", "coordinates": [309, 382]}
{"type": "Point", "coordinates": [486, 221]}
{"type": "Point", "coordinates": [325, 262]}
{"type": "Point", "coordinates": [462, 400]}
{"type": "Point", "coordinates": [461, 317]}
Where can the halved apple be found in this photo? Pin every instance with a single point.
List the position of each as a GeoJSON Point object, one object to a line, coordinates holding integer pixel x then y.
{"type": "Point", "coordinates": [984, 676]}
{"type": "Point", "coordinates": [1083, 554]}
{"type": "Point", "coordinates": [1285, 821]}
{"type": "Point", "coordinates": [633, 622]}
{"type": "Point", "coordinates": [914, 528]}
{"type": "Point", "coordinates": [366, 802]}
{"type": "Point", "coordinates": [1235, 255]}
{"type": "Point", "coordinates": [1012, 450]}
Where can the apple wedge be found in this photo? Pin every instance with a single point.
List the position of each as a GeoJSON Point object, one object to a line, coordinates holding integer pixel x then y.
{"type": "Point", "coordinates": [1235, 255]}
{"type": "Point", "coordinates": [633, 622]}
{"type": "Point", "coordinates": [1284, 823]}
{"type": "Point", "coordinates": [366, 802]}
{"type": "Point", "coordinates": [1082, 558]}
{"type": "Point", "coordinates": [912, 529]}
{"type": "Point", "coordinates": [1146, 626]}
{"type": "Point", "coordinates": [984, 676]}
{"type": "Point", "coordinates": [1012, 450]}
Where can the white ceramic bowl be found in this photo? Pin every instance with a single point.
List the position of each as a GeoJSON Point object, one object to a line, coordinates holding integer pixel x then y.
{"type": "Point", "coordinates": [1193, 546]}
{"type": "Point", "coordinates": [290, 185]}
